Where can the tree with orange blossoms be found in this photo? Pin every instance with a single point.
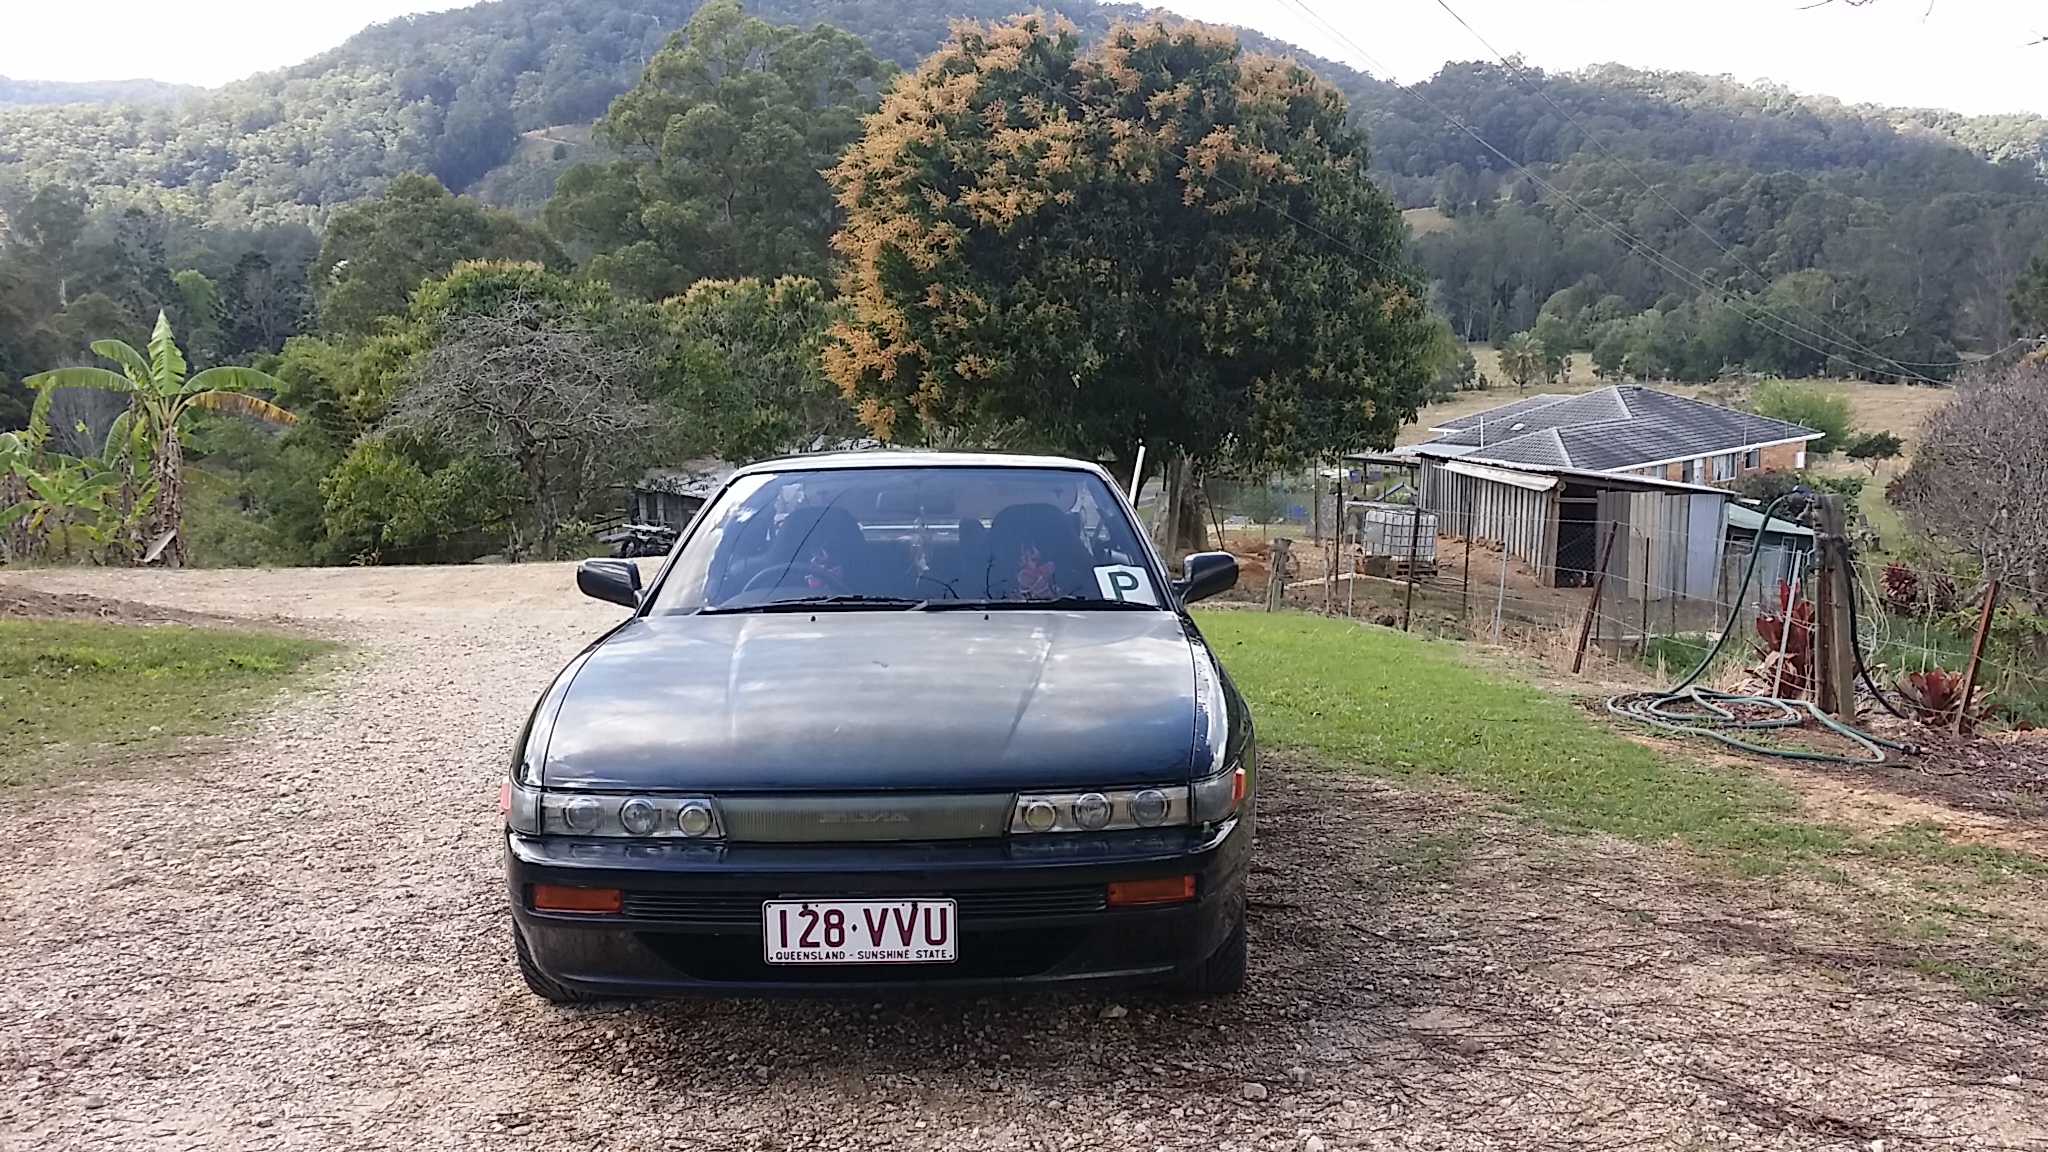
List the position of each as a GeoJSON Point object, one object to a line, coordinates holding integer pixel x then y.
{"type": "Point", "coordinates": [1163, 240]}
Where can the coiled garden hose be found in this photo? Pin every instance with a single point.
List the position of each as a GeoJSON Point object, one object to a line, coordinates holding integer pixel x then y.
{"type": "Point", "coordinates": [1688, 710]}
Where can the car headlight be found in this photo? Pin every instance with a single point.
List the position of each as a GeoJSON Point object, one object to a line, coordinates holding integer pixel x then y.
{"type": "Point", "coordinates": [535, 812]}
{"type": "Point", "coordinates": [1102, 810]}
{"type": "Point", "coordinates": [1216, 797]}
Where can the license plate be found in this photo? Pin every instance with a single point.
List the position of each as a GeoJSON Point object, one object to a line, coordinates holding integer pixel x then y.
{"type": "Point", "coordinates": [860, 931]}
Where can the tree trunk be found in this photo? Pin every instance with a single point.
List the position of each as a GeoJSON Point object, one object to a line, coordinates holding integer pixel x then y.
{"type": "Point", "coordinates": [167, 514]}
{"type": "Point", "coordinates": [1192, 533]}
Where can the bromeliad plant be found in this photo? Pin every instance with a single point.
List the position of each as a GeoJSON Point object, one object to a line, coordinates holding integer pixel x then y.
{"type": "Point", "coordinates": [1901, 588]}
{"type": "Point", "coordinates": [1787, 648]}
{"type": "Point", "coordinates": [146, 445]}
{"type": "Point", "coordinates": [1936, 696]}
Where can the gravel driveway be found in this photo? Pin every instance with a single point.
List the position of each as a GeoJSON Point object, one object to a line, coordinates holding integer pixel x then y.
{"type": "Point", "coordinates": [295, 937]}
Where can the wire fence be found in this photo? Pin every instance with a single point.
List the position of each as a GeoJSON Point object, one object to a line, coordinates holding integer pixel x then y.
{"type": "Point", "coordinates": [1659, 602]}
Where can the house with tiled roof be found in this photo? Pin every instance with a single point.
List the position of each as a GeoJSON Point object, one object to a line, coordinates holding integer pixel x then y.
{"type": "Point", "coordinates": [1625, 429]}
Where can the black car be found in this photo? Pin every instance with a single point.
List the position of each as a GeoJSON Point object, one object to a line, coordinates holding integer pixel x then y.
{"type": "Point", "coordinates": [889, 720]}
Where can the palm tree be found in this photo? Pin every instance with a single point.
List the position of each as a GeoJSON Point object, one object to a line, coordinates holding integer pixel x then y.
{"type": "Point", "coordinates": [1522, 359]}
{"type": "Point", "coordinates": [159, 399]}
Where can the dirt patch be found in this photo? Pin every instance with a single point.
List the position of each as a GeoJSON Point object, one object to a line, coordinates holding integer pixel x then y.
{"type": "Point", "coordinates": [19, 601]}
{"type": "Point", "coordinates": [300, 940]}
{"type": "Point", "coordinates": [1857, 801]}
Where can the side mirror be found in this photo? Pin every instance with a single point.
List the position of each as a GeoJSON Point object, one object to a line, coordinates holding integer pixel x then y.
{"type": "Point", "coordinates": [1204, 574]}
{"type": "Point", "coordinates": [613, 581]}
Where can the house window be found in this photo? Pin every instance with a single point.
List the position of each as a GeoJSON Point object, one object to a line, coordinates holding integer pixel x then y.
{"type": "Point", "coordinates": [1724, 467]}
{"type": "Point", "coordinates": [1752, 459]}
{"type": "Point", "coordinates": [1689, 472]}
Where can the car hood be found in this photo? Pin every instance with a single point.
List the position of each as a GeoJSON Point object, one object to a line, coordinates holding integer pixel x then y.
{"type": "Point", "coordinates": [859, 701]}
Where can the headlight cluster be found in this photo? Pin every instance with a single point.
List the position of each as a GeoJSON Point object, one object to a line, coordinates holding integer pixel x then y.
{"type": "Point", "coordinates": [1219, 795]}
{"type": "Point", "coordinates": [1108, 810]}
{"type": "Point", "coordinates": [651, 817]}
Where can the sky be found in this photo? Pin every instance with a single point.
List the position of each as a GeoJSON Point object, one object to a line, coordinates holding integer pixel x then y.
{"type": "Point", "coordinates": [1972, 56]}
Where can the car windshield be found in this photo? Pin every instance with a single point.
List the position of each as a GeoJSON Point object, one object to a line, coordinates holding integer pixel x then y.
{"type": "Point", "coordinates": [879, 537]}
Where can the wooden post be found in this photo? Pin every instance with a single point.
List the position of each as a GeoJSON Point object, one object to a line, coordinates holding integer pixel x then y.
{"type": "Point", "coordinates": [1593, 605]}
{"type": "Point", "coordinates": [1414, 542]}
{"type": "Point", "coordinates": [1834, 644]}
{"type": "Point", "coordinates": [1330, 546]}
{"type": "Point", "coordinates": [1276, 580]}
{"type": "Point", "coordinates": [1465, 592]}
{"type": "Point", "coordinates": [1976, 655]}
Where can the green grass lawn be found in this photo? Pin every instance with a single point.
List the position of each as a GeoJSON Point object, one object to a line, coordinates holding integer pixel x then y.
{"type": "Point", "coordinates": [77, 693]}
{"type": "Point", "coordinates": [1383, 702]}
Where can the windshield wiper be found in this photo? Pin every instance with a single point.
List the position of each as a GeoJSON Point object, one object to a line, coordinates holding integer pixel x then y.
{"type": "Point", "coordinates": [850, 602]}
{"type": "Point", "coordinates": [1088, 602]}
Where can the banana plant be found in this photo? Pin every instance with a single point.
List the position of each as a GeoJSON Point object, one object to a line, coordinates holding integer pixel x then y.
{"type": "Point", "coordinates": [57, 496]}
{"type": "Point", "coordinates": [15, 454]}
{"type": "Point", "coordinates": [160, 399]}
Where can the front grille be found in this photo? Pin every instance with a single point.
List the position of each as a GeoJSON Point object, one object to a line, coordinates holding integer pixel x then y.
{"type": "Point", "coordinates": [743, 909]}
{"type": "Point", "coordinates": [863, 818]}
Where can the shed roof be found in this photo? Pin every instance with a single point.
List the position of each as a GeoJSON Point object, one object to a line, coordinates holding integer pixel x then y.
{"type": "Point", "coordinates": [1618, 427]}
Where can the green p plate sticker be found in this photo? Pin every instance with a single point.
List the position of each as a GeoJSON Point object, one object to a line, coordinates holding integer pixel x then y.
{"type": "Point", "coordinates": [1124, 582]}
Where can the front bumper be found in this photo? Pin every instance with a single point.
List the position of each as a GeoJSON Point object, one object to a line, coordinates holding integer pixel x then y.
{"type": "Point", "coordinates": [1033, 912]}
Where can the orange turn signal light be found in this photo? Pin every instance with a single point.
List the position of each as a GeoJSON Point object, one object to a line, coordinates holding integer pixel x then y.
{"type": "Point", "coordinates": [1168, 890]}
{"type": "Point", "coordinates": [564, 898]}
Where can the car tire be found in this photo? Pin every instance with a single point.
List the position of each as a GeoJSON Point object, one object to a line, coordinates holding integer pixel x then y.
{"type": "Point", "coordinates": [539, 982]}
{"type": "Point", "coordinates": [1222, 974]}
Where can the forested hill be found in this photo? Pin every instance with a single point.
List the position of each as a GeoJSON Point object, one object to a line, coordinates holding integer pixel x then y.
{"type": "Point", "coordinates": [1625, 205]}
{"type": "Point", "coordinates": [447, 93]}
{"type": "Point", "coordinates": [1899, 232]}
{"type": "Point", "coordinates": [450, 93]}
{"type": "Point", "coordinates": [91, 92]}
{"type": "Point", "coordinates": [1674, 117]}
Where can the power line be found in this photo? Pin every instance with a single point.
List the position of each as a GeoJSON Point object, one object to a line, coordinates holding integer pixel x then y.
{"type": "Point", "coordinates": [1758, 314]}
{"type": "Point", "coordinates": [1668, 264]}
{"type": "Point", "coordinates": [1528, 85]}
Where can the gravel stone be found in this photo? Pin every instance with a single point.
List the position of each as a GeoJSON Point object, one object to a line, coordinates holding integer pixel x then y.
{"type": "Point", "coordinates": [355, 988]}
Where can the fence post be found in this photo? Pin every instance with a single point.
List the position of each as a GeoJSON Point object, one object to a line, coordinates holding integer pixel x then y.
{"type": "Point", "coordinates": [1976, 655]}
{"type": "Point", "coordinates": [1593, 605]}
{"type": "Point", "coordinates": [1276, 579]}
{"type": "Point", "coordinates": [1414, 543]}
{"type": "Point", "coordinates": [1465, 590]}
{"type": "Point", "coordinates": [1834, 645]}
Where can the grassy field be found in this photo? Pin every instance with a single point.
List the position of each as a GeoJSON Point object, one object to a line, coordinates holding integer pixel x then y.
{"type": "Point", "coordinates": [75, 693]}
{"type": "Point", "coordinates": [1423, 221]}
{"type": "Point", "coordinates": [1392, 704]}
{"type": "Point", "coordinates": [1369, 699]}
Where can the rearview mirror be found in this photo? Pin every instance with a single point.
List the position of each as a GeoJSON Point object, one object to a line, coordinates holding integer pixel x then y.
{"type": "Point", "coordinates": [613, 581]}
{"type": "Point", "coordinates": [1204, 574]}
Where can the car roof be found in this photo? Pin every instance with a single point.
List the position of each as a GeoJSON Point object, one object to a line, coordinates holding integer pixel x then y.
{"type": "Point", "coordinates": [898, 458]}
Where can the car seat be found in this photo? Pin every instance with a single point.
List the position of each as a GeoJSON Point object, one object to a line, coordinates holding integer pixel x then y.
{"type": "Point", "coordinates": [1034, 552]}
{"type": "Point", "coordinates": [826, 538]}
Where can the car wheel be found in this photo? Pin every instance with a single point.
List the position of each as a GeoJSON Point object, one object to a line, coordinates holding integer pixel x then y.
{"type": "Point", "coordinates": [539, 982]}
{"type": "Point", "coordinates": [1222, 974]}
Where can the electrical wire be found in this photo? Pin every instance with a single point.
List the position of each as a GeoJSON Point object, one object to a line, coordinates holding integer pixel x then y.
{"type": "Point", "coordinates": [1756, 313]}
{"type": "Point", "coordinates": [1521, 78]}
{"type": "Point", "coordinates": [1848, 560]}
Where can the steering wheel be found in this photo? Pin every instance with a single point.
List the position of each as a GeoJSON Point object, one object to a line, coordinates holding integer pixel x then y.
{"type": "Point", "coordinates": [832, 582]}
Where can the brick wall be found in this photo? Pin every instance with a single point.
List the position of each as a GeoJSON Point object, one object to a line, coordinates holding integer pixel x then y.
{"type": "Point", "coordinates": [1781, 457]}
